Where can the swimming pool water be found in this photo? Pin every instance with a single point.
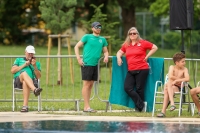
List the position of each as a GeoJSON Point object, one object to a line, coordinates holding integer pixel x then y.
{"type": "Point", "coordinates": [97, 126]}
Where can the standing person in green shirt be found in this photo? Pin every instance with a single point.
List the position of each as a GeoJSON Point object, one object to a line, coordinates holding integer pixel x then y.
{"type": "Point", "coordinates": [93, 45]}
{"type": "Point", "coordinates": [25, 70]}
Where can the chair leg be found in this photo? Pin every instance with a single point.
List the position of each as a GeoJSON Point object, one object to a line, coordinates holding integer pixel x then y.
{"type": "Point", "coordinates": [183, 96]}
{"type": "Point", "coordinates": [190, 108]}
{"type": "Point", "coordinates": [155, 95]}
{"type": "Point", "coordinates": [14, 102]}
{"type": "Point", "coordinates": [39, 103]}
{"type": "Point", "coordinates": [180, 104]}
{"type": "Point", "coordinates": [154, 100]}
{"type": "Point", "coordinates": [153, 111]}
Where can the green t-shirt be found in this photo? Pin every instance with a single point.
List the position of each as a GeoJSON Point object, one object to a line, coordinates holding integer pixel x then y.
{"type": "Point", "coordinates": [92, 48]}
{"type": "Point", "coordinates": [29, 71]}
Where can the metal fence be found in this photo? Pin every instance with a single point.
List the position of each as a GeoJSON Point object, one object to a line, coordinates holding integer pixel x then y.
{"type": "Point", "coordinates": [67, 94]}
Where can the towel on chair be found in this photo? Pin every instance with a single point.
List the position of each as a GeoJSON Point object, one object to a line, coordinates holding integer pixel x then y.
{"type": "Point", "coordinates": [117, 93]}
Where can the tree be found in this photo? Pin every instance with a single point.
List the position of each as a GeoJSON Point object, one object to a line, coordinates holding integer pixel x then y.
{"type": "Point", "coordinates": [16, 16]}
{"type": "Point", "coordinates": [91, 9]}
{"type": "Point", "coordinates": [58, 14]}
{"type": "Point", "coordinates": [108, 29]}
{"type": "Point", "coordinates": [162, 8]}
{"type": "Point", "coordinates": [11, 21]}
{"type": "Point", "coordinates": [128, 9]}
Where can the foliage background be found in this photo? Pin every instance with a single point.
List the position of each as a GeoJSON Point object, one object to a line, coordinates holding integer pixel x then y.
{"type": "Point", "coordinates": [117, 17]}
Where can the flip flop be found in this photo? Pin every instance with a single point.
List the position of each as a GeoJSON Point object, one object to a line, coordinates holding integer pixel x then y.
{"type": "Point", "coordinates": [172, 107]}
{"type": "Point", "coordinates": [24, 109]}
{"type": "Point", "coordinates": [161, 115]}
{"type": "Point", "coordinates": [90, 111]}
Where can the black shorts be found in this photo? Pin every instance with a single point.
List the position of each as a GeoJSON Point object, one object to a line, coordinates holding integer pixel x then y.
{"type": "Point", "coordinates": [89, 73]}
{"type": "Point", "coordinates": [17, 83]}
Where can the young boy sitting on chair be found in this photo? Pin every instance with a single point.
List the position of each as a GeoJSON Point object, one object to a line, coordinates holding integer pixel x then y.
{"type": "Point", "coordinates": [177, 73]}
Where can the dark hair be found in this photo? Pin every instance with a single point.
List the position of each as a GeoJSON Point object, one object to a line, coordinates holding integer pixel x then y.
{"type": "Point", "coordinates": [178, 56]}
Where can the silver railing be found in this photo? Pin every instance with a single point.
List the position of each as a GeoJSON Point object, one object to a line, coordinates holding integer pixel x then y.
{"type": "Point", "coordinates": [67, 93]}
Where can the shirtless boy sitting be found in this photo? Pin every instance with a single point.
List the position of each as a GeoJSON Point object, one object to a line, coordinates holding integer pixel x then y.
{"type": "Point", "coordinates": [177, 73]}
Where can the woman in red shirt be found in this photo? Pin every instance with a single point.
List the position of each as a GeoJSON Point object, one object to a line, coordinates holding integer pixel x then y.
{"type": "Point", "coordinates": [135, 49]}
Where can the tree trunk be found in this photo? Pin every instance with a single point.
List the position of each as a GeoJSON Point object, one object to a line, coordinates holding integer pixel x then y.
{"type": "Point", "coordinates": [128, 16]}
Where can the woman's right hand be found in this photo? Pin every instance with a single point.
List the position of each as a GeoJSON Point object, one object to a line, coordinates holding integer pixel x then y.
{"type": "Point", "coordinates": [119, 57]}
{"type": "Point", "coordinates": [119, 61]}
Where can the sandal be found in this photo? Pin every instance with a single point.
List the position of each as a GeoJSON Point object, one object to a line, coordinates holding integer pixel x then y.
{"type": "Point", "coordinates": [24, 109]}
{"type": "Point", "coordinates": [161, 115]}
{"type": "Point", "coordinates": [172, 107]}
{"type": "Point", "coordinates": [90, 111]}
{"type": "Point", "coordinates": [37, 91]}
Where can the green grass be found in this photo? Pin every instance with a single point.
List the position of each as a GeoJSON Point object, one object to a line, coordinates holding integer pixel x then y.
{"type": "Point", "coordinates": [67, 90]}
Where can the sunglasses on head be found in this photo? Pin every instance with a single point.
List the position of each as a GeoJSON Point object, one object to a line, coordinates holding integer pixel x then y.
{"type": "Point", "coordinates": [133, 33]}
{"type": "Point", "coordinates": [98, 27]}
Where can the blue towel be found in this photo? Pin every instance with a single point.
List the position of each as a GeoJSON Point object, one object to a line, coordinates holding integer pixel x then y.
{"type": "Point", "coordinates": [117, 93]}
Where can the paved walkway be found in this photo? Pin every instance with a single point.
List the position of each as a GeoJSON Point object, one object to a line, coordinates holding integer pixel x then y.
{"type": "Point", "coordinates": [37, 116]}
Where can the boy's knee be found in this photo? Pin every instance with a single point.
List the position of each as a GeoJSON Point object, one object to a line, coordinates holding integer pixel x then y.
{"type": "Point", "coordinates": [192, 92]}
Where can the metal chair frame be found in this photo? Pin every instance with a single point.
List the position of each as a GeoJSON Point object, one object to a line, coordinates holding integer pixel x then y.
{"type": "Point", "coordinates": [183, 92]}
{"type": "Point", "coordinates": [20, 91]}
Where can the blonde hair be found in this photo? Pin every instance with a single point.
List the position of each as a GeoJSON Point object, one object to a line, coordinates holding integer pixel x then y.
{"type": "Point", "coordinates": [128, 40]}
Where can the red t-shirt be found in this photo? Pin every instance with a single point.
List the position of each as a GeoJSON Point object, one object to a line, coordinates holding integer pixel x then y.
{"type": "Point", "coordinates": [135, 54]}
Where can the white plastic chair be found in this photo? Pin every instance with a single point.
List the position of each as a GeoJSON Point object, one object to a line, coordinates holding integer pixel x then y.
{"type": "Point", "coordinates": [20, 91]}
{"type": "Point", "coordinates": [183, 92]}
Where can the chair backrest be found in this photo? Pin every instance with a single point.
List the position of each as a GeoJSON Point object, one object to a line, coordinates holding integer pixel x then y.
{"type": "Point", "coordinates": [166, 78]}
